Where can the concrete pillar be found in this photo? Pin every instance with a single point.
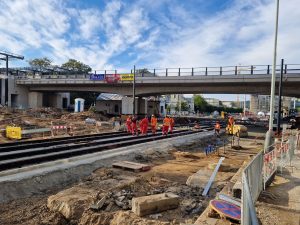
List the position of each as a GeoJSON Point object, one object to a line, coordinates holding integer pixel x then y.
{"type": "Point", "coordinates": [254, 104]}
{"type": "Point", "coordinates": [146, 106]}
{"type": "Point", "coordinates": [35, 99]}
{"type": "Point", "coordinates": [3, 92]}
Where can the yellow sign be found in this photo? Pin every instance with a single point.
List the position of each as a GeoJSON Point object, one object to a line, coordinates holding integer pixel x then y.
{"type": "Point", "coordinates": [13, 132]}
{"type": "Point", "coordinates": [127, 77]}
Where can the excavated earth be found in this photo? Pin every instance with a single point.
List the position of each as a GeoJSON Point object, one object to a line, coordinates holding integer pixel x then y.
{"type": "Point", "coordinates": [115, 188]}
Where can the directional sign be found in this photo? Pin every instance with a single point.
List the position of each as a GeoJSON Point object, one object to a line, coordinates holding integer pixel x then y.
{"type": "Point", "coordinates": [227, 209]}
{"type": "Point", "coordinates": [127, 77]}
{"type": "Point", "coordinates": [97, 76]}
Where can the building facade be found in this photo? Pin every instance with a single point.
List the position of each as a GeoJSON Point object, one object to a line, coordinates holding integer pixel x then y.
{"type": "Point", "coordinates": [261, 103]}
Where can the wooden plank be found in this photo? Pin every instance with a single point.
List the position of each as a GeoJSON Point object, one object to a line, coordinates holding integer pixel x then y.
{"type": "Point", "coordinates": [212, 177]}
{"type": "Point", "coordinates": [131, 166]}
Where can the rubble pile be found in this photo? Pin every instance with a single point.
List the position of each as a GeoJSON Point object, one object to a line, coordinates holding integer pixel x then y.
{"type": "Point", "coordinates": [79, 123]}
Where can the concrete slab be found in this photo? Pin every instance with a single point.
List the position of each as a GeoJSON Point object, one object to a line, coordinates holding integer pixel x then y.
{"type": "Point", "coordinates": [136, 167]}
{"type": "Point", "coordinates": [154, 203]}
{"type": "Point", "coordinates": [199, 179]}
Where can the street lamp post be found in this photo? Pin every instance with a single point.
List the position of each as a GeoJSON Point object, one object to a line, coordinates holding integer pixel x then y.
{"type": "Point", "coordinates": [269, 133]}
{"type": "Point", "coordinates": [133, 91]}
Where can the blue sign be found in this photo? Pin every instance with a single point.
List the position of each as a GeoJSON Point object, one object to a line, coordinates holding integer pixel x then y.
{"type": "Point", "coordinates": [97, 76]}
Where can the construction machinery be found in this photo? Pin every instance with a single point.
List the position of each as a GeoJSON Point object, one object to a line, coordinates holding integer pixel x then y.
{"type": "Point", "coordinates": [237, 130]}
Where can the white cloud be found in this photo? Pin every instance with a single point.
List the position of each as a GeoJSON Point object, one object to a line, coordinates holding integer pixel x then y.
{"type": "Point", "coordinates": [59, 32]}
{"type": "Point", "coordinates": [89, 22]}
{"type": "Point", "coordinates": [243, 34]}
{"type": "Point", "coordinates": [173, 37]}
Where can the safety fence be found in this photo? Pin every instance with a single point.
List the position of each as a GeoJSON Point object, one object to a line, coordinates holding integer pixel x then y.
{"type": "Point", "coordinates": [262, 168]}
{"type": "Point", "coordinates": [252, 185]}
{"type": "Point", "coordinates": [280, 154]}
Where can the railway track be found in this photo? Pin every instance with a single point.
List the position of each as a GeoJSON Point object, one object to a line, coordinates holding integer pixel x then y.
{"type": "Point", "coordinates": [24, 153]}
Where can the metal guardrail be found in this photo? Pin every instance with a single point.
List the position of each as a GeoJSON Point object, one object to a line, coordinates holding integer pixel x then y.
{"type": "Point", "coordinates": [252, 185]}
{"type": "Point", "coordinates": [194, 71]}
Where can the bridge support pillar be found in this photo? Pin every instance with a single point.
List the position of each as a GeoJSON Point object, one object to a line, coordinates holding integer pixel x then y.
{"type": "Point", "coordinates": [56, 100]}
{"type": "Point", "coordinates": [35, 99]}
{"type": "Point", "coordinates": [254, 104]}
{"type": "Point", "coordinates": [3, 92]}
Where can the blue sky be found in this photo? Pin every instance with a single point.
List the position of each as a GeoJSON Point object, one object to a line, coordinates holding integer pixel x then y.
{"type": "Point", "coordinates": [118, 34]}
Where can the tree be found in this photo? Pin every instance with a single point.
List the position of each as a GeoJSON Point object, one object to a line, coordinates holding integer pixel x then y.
{"type": "Point", "coordinates": [184, 107]}
{"type": "Point", "coordinates": [89, 97]}
{"type": "Point", "coordinates": [40, 62]}
{"type": "Point", "coordinates": [200, 103]}
{"type": "Point", "coordinates": [143, 72]}
{"type": "Point", "coordinates": [168, 109]}
{"type": "Point", "coordinates": [78, 66]}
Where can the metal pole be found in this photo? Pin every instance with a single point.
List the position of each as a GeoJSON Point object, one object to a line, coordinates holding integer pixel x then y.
{"type": "Point", "coordinates": [245, 105]}
{"type": "Point", "coordinates": [6, 82]}
{"type": "Point", "coordinates": [270, 131]}
{"type": "Point", "coordinates": [133, 91]}
{"type": "Point", "coordinates": [279, 98]}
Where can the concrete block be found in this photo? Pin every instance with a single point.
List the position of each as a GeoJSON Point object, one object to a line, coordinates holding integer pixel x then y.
{"type": "Point", "coordinates": [199, 179]}
{"type": "Point", "coordinates": [154, 203]}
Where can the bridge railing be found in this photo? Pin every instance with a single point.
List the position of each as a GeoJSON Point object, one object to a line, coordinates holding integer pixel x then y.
{"type": "Point", "coordinates": [194, 71]}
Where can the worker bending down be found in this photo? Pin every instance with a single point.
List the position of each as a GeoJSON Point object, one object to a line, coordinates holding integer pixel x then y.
{"type": "Point", "coordinates": [144, 125]}
{"type": "Point", "coordinates": [134, 129]}
{"type": "Point", "coordinates": [166, 125]}
{"type": "Point", "coordinates": [128, 124]}
{"type": "Point", "coordinates": [153, 124]}
{"type": "Point", "coordinates": [172, 123]}
{"type": "Point", "coordinates": [217, 128]}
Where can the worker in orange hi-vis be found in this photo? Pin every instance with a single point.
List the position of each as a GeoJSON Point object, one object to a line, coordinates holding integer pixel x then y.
{"type": "Point", "coordinates": [134, 129]}
{"type": "Point", "coordinates": [153, 124]}
{"type": "Point", "coordinates": [166, 125]}
{"type": "Point", "coordinates": [144, 125]}
{"type": "Point", "coordinates": [217, 128]}
{"type": "Point", "coordinates": [128, 124]}
{"type": "Point", "coordinates": [172, 123]}
{"type": "Point", "coordinates": [230, 124]}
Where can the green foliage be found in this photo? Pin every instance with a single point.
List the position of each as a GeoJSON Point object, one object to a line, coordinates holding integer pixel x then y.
{"type": "Point", "coordinates": [142, 72]}
{"type": "Point", "coordinates": [75, 65]}
{"type": "Point", "coordinates": [200, 103]}
{"type": "Point", "coordinates": [92, 109]}
{"type": "Point", "coordinates": [168, 109]}
{"type": "Point", "coordinates": [40, 62]}
{"type": "Point", "coordinates": [89, 97]}
{"type": "Point", "coordinates": [202, 106]}
{"type": "Point", "coordinates": [184, 107]}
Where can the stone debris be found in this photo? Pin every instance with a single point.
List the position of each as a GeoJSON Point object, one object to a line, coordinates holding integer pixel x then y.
{"type": "Point", "coordinates": [155, 216]}
{"type": "Point", "coordinates": [146, 205]}
{"type": "Point", "coordinates": [71, 203]}
{"type": "Point", "coordinates": [99, 204]}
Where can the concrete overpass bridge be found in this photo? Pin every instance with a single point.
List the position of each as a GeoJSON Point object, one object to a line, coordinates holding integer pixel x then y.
{"type": "Point", "coordinates": [254, 79]}
{"type": "Point", "coordinates": [226, 80]}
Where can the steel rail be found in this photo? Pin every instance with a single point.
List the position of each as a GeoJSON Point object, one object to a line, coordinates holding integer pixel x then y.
{"type": "Point", "coordinates": [41, 158]}
{"type": "Point", "coordinates": [66, 146]}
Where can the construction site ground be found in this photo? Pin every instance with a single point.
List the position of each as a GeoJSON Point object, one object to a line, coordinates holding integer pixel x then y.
{"type": "Point", "coordinates": [169, 173]}
{"type": "Point", "coordinates": [280, 203]}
